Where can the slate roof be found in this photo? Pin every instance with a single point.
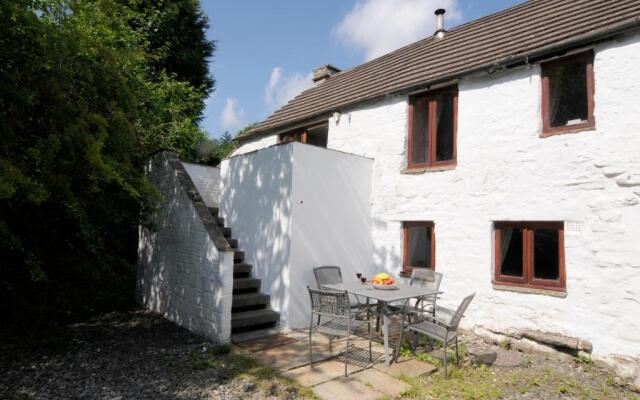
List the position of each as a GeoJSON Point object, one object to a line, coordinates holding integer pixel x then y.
{"type": "Point", "coordinates": [532, 29]}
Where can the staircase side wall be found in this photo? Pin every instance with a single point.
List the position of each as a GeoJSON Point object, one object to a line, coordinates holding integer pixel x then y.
{"type": "Point", "coordinates": [256, 204]}
{"type": "Point", "coordinates": [207, 181]}
{"type": "Point", "coordinates": [184, 273]}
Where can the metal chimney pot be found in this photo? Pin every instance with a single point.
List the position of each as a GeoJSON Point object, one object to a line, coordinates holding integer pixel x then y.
{"type": "Point", "coordinates": [440, 22]}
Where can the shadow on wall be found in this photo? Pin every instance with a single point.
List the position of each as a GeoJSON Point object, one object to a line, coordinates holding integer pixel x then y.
{"type": "Point", "coordinates": [256, 204]}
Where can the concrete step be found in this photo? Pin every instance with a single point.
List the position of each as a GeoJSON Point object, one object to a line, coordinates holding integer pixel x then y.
{"type": "Point", "coordinates": [246, 285]}
{"type": "Point", "coordinates": [244, 321]}
{"type": "Point", "coordinates": [238, 256]}
{"type": "Point", "coordinates": [233, 243]}
{"type": "Point", "coordinates": [242, 270]}
{"type": "Point", "coordinates": [253, 300]}
{"type": "Point", "coordinates": [226, 232]}
{"type": "Point", "coordinates": [253, 335]}
{"type": "Point", "coordinates": [214, 211]}
{"type": "Point", "coordinates": [220, 221]}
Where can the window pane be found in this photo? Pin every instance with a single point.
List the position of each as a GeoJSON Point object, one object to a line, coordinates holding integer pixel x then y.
{"type": "Point", "coordinates": [511, 248]}
{"type": "Point", "coordinates": [568, 102]}
{"type": "Point", "coordinates": [546, 254]}
{"type": "Point", "coordinates": [419, 241]}
{"type": "Point", "coordinates": [318, 136]}
{"type": "Point", "coordinates": [444, 133]}
{"type": "Point", "coordinates": [419, 140]}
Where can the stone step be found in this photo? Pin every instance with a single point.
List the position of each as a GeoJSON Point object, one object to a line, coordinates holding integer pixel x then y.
{"type": "Point", "coordinates": [249, 300]}
{"type": "Point", "coordinates": [254, 334]}
{"type": "Point", "coordinates": [243, 321]}
{"type": "Point", "coordinates": [214, 211]}
{"type": "Point", "coordinates": [245, 285]}
{"type": "Point", "coordinates": [233, 243]}
{"type": "Point", "coordinates": [220, 221]}
{"type": "Point", "coordinates": [226, 232]}
{"type": "Point", "coordinates": [238, 256]}
{"type": "Point", "coordinates": [242, 270]}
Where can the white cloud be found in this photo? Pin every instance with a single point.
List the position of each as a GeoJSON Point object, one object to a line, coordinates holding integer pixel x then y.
{"type": "Point", "coordinates": [282, 88]}
{"type": "Point", "coordinates": [232, 118]}
{"type": "Point", "coordinates": [380, 26]}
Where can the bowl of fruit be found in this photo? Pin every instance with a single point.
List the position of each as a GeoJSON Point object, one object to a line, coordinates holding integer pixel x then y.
{"type": "Point", "coordinates": [384, 281]}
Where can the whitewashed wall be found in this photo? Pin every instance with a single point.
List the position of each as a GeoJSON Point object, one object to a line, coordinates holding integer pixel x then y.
{"type": "Point", "coordinates": [183, 273]}
{"type": "Point", "coordinates": [207, 181]}
{"type": "Point", "coordinates": [505, 171]}
{"type": "Point", "coordinates": [294, 207]}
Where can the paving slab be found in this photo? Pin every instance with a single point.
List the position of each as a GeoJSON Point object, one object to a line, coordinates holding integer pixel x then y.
{"type": "Point", "coordinates": [411, 368]}
{"type": "Point", "coordinates": [291, 356]}
{"type": "Point", "coordinates": [381, 382]}
{"type": "Point", "coordinates": [320, 373]}
{"type": "Point", "coordinates": [346, 389]}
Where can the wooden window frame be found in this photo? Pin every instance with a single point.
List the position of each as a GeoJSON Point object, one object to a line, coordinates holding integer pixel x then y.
{"type": "Point", "coordinates": [528, 279]}
{"type": "Point", "coordinates": [432, 130]}
{"type": "Point", "coordinates": [406, 268]}
{"type": "Point", "coordinates": [299, 135]}
{"type": "Point", "coordinates": [546, 68]}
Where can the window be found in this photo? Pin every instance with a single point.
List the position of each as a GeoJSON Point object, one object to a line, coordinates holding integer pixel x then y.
{"type": "Point", "coordinates": [419, 246]}
{"type": "Point", "coordinates": [567, 94]}
{"type": "Point", "coordinates": [530, 254]}
{"type": "Point", "coordinates": [315, 135]}
{"type": "Point", "coordinates": [432, 129]}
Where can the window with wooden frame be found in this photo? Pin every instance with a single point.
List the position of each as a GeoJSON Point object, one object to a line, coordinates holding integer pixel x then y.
{"type": "Point", "coordinates": [315, 135]}
{"type": "Point", "coordinates": [433, 123]}
{"type": "Point", "coordinates": [419, 244]}
{"type": "Point", "coordinates": [567, 94]}
{"type": "Point", "coordinates": [530, 254]}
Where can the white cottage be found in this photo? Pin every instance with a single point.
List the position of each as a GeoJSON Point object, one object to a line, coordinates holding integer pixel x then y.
{"type": "Point", "coordinates": [504, 153]}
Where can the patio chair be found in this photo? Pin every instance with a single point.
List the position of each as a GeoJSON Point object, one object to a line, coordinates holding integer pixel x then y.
{"type": "Point", "coordinates": [330, 275]}
{"type": "Point", "coordinates": [441, 326]}
{"type": "Point", "coordinates": [335, 318]}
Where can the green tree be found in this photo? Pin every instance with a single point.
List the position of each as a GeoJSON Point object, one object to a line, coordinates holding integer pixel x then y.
{"type": "Point", "coordinates": [81, 110]}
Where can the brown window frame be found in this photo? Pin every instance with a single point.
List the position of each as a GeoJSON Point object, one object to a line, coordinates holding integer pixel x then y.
{"type": "Point", "coordinates": [298, 135]}
{"type": "Point", "coordinates": [406, 268]}
{"type": "Point", "coordinates": [528, 279]}
{"type": "Point", "coordinates": [546, 68]}
{"type": "Point", "coordinates": [432, 129]}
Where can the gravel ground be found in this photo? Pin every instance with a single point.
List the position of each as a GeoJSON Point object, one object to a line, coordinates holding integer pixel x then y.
{"type": "Point", "coordinates": [132, 355]}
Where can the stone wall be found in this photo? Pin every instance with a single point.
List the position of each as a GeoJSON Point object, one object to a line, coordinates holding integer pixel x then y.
{"type": "Point", "coordinates": [185, 266]}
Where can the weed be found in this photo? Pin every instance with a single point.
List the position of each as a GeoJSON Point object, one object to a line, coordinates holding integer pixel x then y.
{"type": "Point", "coordinates": [584, 360]}
{"type": "Point", "coordinates": [506, 344]}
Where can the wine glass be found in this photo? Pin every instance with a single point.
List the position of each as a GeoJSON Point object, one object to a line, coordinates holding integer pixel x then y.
{"type": "Point", "coordinates": [363, 279]}
{"type": "Point", "coordinates": [359, 275]}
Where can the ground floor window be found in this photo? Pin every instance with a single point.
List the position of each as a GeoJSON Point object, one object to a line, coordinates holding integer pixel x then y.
{"type": "Point", "coordinates": [419, 246]}
{"type": "Point", "coordinates": [530, 254]}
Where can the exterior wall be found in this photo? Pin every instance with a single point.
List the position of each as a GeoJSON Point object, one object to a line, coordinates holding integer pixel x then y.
{"type": "Point", "coordinates": [294, 207]}
{"type": "Point", "coordinates": [256, 204]}
{"type": "Point", "coordinates": [255, 144]}
{"type": "Point", "coordinates": [331, 220]}
{"type": "Point", "coordinates": [505, 171]}
{"type": "Point", "coordinates": [182, 273]}
{"type": "Point", "coordinates": [207, 181]}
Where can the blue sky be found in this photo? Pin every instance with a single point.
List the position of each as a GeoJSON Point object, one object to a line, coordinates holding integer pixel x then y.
{"type": "Point", "coordinates": [267, 49]}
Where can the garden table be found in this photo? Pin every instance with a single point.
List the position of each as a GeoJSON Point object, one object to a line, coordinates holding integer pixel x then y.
{"type": "Point", "coordinates": [384, 297]}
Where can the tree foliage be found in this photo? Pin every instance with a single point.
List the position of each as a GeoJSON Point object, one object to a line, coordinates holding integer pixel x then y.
{"type": "Point", "coordinates": [84, 98]}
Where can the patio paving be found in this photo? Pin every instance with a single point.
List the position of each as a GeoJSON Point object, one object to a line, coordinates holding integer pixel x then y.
{"type": "Point", "coordinates": [368, 379]}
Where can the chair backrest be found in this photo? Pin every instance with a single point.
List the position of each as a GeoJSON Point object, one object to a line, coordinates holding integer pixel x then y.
{"type": "Point", "coordinates": [329, 302]}
{"type": "Point", "coordinates": [455, 320]}
{"type": "Point", "coordinates": [327, 275]}
{"type": "Point", "coordinates": [426, 277]}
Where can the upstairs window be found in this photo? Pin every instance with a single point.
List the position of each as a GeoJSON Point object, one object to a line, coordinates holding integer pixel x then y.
{"type": "Point", "coordinates": [432, 129]}
{"type": "Point", "coordinates": [567, 94]}
{"type": "Point", "coordinates": [419, 246]}
{"type": "Point", "coordinates": [315, 135]}
{"type": "Point", "coordinates": [530, 254]}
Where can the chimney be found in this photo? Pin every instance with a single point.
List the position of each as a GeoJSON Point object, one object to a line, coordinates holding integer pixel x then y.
{"type": "Point", "coordinates": [323, 73]}
{"type": "Point", "coordinates": [440, 23]}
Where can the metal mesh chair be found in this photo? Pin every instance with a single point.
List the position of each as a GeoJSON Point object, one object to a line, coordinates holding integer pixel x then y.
{"type": "Point", "coordinates": [327, 275]}
{"type": "Point", "coordinates": [426, 278]}
{"type": "Point", "coordinates": [443, 326]}
{"type": "Point", "coordinates": [334, 318]}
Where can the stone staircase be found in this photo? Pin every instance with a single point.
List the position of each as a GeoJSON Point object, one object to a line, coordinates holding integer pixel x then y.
{"type": "Point", "coordinates": [250, 311]}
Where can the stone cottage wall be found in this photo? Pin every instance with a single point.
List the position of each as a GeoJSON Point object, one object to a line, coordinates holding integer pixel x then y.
{"type": "Point", "coordinates": [185, 267]}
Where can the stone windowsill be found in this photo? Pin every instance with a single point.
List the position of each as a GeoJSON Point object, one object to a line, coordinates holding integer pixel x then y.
{"type": "Point", "coordinates": [528, 290]}
{"type": "Point", "coordinates": [422, 170]}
